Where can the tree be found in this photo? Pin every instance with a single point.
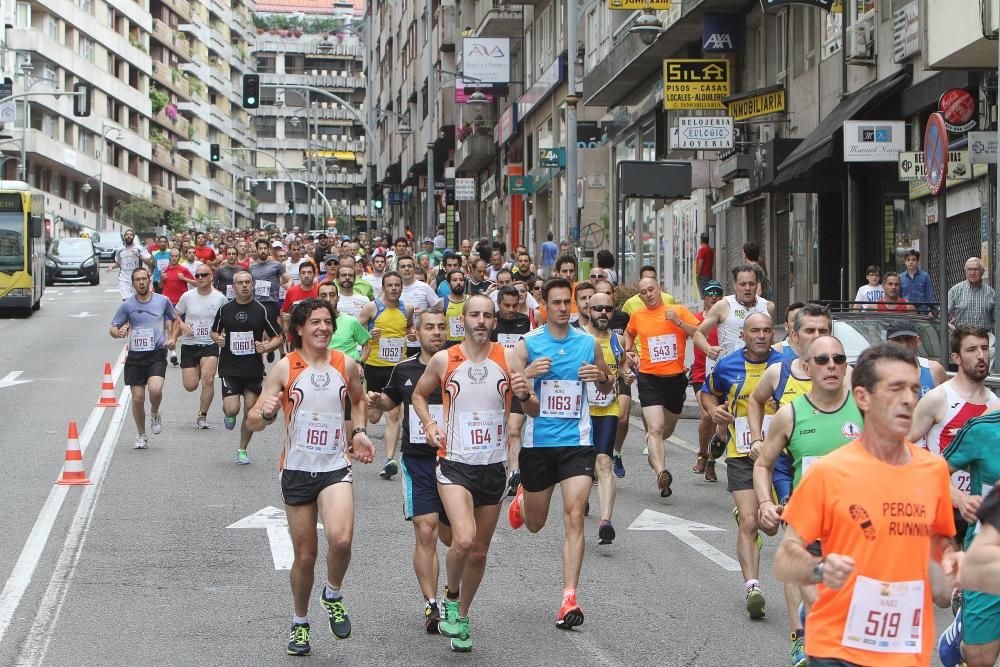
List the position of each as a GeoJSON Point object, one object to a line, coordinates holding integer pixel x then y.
{"type": "Point", "coordinates": [141, 215]}
{"type": "Point", "coordinates": [345, 223]}
{"type": "Point", "coordinates": [176, 220]}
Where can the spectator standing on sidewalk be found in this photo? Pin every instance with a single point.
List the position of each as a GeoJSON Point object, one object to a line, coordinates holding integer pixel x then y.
{"type": "Point", "coordinates": [704, 264]}
{"type": "Point", "coordinates": [972, 301]}
{"type": "Point", "coordinates": [917, 286]}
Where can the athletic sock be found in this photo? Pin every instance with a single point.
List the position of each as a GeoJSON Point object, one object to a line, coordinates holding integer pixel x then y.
{"type": "Point", "coordinates": [331, 593]}
{"type": "Point", "coordinates": [300, 619]}
{"type": "Point", "coordinates": [751, 583]}
{"type": "Point", "coordinates": [450, 595]}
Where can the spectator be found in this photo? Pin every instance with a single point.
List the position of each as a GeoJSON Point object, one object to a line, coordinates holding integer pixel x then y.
{"type": "Point", "coordinates": [484, 249]}
{"type": "Point", "coordinates": [891, 301]}
{"type": "Point", "coordinates": [549, 253]}
{"type": "Point", "coordinates": [872, 291]}
{"type": "Point", "coordinates": [606, 261]}
{"type": "Point", "coordinates": [972, 301]}
{"type": "Point", "coordinates": [704, 264]}
{"type": "Point", "coordinates": [440, 240]}
{"type": "Point", "coordinates": [751, 256]}
{"type": "Point", "coordinates": [564, 249]}
{"type": "Point", "coordinates": [916, 284]}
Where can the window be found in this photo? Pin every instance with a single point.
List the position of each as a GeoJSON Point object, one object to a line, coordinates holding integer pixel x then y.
{"type": "Point", "coordinates": [85, 47]}
{"type": "Point", "coordinates": [544, 24]}
{"type": "Point", "coordinates": [87, 6]}
{"type": "Point", "coordinates": [50, 27]}
{"type": "Point", "coordinates": [22, 15]}
{"type": "Point", "coordinates": [85, 142]}
{"type": "Point", "coordinates": [781, 45]}
{"type": "Point", "coordinates": [804, 27]}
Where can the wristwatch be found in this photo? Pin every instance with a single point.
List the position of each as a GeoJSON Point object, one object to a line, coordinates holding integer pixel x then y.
{"type": "Point", "coordinates": [358, 429]}
{"type": "Point", "coordinates": [817, 575]}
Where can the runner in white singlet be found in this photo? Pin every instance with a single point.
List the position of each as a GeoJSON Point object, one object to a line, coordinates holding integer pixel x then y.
{"type": "Point", "coordinates": [730, 313]}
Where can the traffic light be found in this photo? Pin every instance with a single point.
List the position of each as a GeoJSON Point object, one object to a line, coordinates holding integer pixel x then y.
{"type": "Point", "coordinates": [377, 204]}
{"type": "Point", "coordinates": [251, 91]}
{"type": "Point", "coordinates": [214, 152]}
{"type": "Point", "coordinates": [291, 208]}
{"type": "Point", "coordinates": [82, 99]}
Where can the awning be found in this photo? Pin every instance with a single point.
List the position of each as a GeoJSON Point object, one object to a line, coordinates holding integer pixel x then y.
{"type": "Point", "coordinates": [820, 145]}
{"type": "Point", "coordinates": [68, 223]}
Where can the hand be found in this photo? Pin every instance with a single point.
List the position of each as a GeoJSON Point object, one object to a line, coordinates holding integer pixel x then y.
{"type": "Point", "coordinates": [492, 288]}
{"type": "Point", "coordinates": [519, 384]}
{"type": "Point", "coordinates": [374, 398]}
{"type": "Point", "coordinates": [633, 358]}
{"type": "Point", "coordinates": [260, 347]}
{"type": "Point", "coordinates": [836, 570]}
{"type": "Point", "coordinates": [670, 315]}
{"type": "Point", "coordinates": [432, 433]}
{"type": "Point", "coordinates": [219, 338]}
{"type": "Point", "coordinates": [171, 343]}
{"type": "Point", "coordinates": [629, 378]}
{"type": "Point", "coordinates": [538, 367]}
{"type": "Point", "coordinates": [590, 373]}
{"type": "Point", "coordinates": [269, 406]}
{"type": "Point", "coordinates": [968, 506]}
{"type": "Point", "coordinates": [187, 329]}
{"type": "Point", "coordinates": [121, 332]}
{"type": "Point", "coordinates": [770, 517]}
{"type": "Point", "coordinates": [713, 352]}
{"type": "Point", "coordinates": [951, 564]}
{"type": "Point", "coordinates": [755, 450]}
{"type": "Point", "coordinates": [376, 333]}
{"type": "Point", "coordinates": [721, 416]}
{"type": "Point", "coordinates": [362, 448]}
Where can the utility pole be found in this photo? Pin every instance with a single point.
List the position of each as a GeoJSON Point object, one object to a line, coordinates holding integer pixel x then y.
{"type": "Point", "coordinates": [571, 101]}
{"type": "Point", "coordinates": [431, 112]}
{"type": "Point", "coordinates": [370, 114]}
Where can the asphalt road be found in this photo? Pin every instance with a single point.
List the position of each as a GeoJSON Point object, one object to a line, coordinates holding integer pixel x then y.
{"type": "Point", "coordinates": [140, 568]}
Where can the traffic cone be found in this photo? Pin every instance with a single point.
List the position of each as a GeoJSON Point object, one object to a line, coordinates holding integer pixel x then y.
{"type": "Point", "coordinates": [73, 474]}
{"type": "Point", "coordinates": [108, 399]}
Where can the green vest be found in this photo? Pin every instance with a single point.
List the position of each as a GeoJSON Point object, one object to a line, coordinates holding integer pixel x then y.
{"type": "Point", "coordinates": [816, 433]}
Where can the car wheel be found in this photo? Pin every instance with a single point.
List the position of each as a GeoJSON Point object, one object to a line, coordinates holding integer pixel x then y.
{"type": "Point", "coordinates": [95, 278]}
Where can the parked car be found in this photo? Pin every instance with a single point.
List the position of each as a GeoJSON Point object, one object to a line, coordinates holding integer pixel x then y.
{"type": "Point", "coordinates": [72, 260]}
{"type": "Point", "coordinates": [105, 243]}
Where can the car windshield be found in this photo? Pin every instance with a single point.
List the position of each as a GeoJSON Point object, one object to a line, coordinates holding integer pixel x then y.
{"type": "Point", "coordinates": [859, 333]}
{"type": "Point", "coordinates": [11, 242]}
{"type": "Point", "coordinates": [72, 247]}
{"type": "Point", "coordinates": [109, 239]}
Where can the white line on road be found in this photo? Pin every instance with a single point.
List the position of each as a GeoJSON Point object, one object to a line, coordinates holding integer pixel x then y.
{"type": "Point", "coordinates": [20, 577]}
{"type": "Point", "coordinates": [41, 633]}
{"type": "Point", "coordinates": [11, 380]}
{"type": "Point", "coordinates": [683, 529]}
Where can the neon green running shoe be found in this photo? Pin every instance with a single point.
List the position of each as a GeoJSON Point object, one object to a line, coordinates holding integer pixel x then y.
{"type": "Point", "coordinates": [755, 602]}
{"type": "Point", "coordinates": [449, 625]}
{"type": "Point", "coordinates": [462, 642]}
{"type": "Point", "coordinates": [798, 650]}
{"type": "Point", "coordinates": [340, 624]}
{"type": "Point", "coordinates": [298, 639]}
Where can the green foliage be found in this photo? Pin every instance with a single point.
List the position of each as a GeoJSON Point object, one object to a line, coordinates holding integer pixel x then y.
{"type": "Point", "coordinates": [141, 215]}
{"type": "Point", "coordinates": [306, 24]}
{"type": "Point", "coordinates": [176, 220]}
{"type": "Point", "coordinates": [253, 203]}
{"type": "Point", "coordinates": [158, 100]}
{"type": "Point", "coordinates": [625, 292]}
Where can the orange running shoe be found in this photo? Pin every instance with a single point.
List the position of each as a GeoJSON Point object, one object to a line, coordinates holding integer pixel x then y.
{"type": "Point", "coordinates": [570, 614]}
{"type": "Point", "coordinates": [514, 516]}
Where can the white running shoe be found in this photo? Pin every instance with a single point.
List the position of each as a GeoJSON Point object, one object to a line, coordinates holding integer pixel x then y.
{"type": "Point", "coordinates": [156, 424]}
{"type": "Point", "coordinates": [141, 442]}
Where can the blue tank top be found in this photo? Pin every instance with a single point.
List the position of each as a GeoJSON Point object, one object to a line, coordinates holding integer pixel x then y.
{"type": "Point", "coordinates": [560, 392]}
{"type": "Point", "coordinates": [926, 379]}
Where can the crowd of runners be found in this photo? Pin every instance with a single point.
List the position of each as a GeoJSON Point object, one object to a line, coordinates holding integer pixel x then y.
{"type": "Point", "coordinates": [498, 377]}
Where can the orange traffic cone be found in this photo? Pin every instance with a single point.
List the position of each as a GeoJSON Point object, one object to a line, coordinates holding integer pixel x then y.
{"type": "Point", "coordinates": [73, 474]}
{"type": "Point", "coordinates": [108, 399]}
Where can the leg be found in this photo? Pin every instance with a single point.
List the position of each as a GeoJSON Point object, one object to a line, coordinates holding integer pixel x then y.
{"type": "Point", "coordinates": [535, 507]}
{"type": "Point", "coordinates": [302, 527]}
{"type": "Point", "coordinates": [475, 566]}
{"type": "Point", "coordinates": [139, 407]}
{"type": "Point", "coordinates": [425, 556]}
{"type": "Point", "coordinates": [575, 491]}
{"type": "Point", "coordinates": [746, 543]}
{"type": "Point", "coordinates": [249, 399]}
{"type": "Point", "coordinates": [514, 424]}
{"type": "Point", "coordinates": [336, 508]}
{"type": "Point", "coordinates": [155, 384]}
{"type": "Point", "coordinates": [392, 427]}
{"type": "Point", "coordinates": [793, 597]}
{"type": "Point", "coordinates": [981, 655]}
{"type": "Point", "coordinates": [457, 503]}
{"type": "Point", "coordinates": [209, 365]}
{"type": "Point", "coordinates": [189, 378]}
{"type": "Point", "coordinates": [231, 405]}
{"type": "Point", "coordinates": [606, 487]}
{"type": "Point", "coordinates": [625, 408]}
{"type": "Point", "coordinates": [655, 419]}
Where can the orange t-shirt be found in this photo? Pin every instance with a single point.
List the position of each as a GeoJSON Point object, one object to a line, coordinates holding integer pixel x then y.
{"type": "Point", "coordinates": [661, 343]}
{"type": "Point", "coordinates": [886, 528]}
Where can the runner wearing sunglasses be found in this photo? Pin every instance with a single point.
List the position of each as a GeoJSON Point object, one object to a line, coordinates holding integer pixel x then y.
{"type": "Point", "coordinates": [199, 353]}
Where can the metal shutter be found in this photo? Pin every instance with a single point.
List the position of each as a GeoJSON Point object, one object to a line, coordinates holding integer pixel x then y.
{"type": "Point", "coordinates": [962, 234]}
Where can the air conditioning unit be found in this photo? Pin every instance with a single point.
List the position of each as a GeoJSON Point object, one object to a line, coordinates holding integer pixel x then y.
{"type": "Point", "coordinates": [861, 40]}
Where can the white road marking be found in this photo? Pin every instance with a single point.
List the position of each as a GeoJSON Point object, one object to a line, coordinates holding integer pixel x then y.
{"type": "Point", "coordinates": [41, 633]}
{"type": "Point", "coordinates": [20, 577]}
{"type": "Point", "coordinates": [682, 530]}
{"type": "Point", "coordinates": [11, 380]}
{"type": "Point", "coordinates": [83, 314]}
{"type": "Point", "coordinates": [275, 523]}
{"type": "Point", "coordinates": [111, 291]}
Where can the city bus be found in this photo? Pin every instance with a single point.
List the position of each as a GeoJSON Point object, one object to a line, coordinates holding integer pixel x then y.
{"type": "Point", "coordinates": [22, 247]}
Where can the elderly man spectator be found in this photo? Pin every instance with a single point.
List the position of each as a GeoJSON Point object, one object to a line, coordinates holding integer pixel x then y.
{"type": "Point", "coordinates": [972, 301]}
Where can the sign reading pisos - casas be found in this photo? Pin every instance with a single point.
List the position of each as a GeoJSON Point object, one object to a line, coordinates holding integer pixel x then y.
{"type": "Point", "coordinates": [695, 84]}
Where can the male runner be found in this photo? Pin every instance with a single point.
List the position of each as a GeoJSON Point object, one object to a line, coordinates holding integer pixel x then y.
{"type": "Point", "coordinates": [729, 387]}
{"type": "Point", "coordinates": [478, 283]}
{"type": "Point", "coordinates": [360, 287]}
{"type": "Point", "coordinates": [705, 463]}
{"type": "Point", "coordinates": [223, 280]}
{"type": "Point", "coordinates": [416, 294]}
{"type": "Point", "coordinates": [350, 336]}
{"type": "Point", "coordinates": [451, 263]}
{"type": "Point", "coordinates": [511, 326]}
{"type": "Point", "coordinates": [635, 302]}
{"type": "Point", "coordinates": [785, 346]}
{"type": "Point", "coordinates": [174, 281]}
{"type": "Point", "coordinates": [421, 501]}
{"type": "Point", "coordinates": [128, 258]}
{"type": "Point", "coordinates": [556, 447]}
{"type": "Point", "coordinates": [808, 427]}
{"type": "Point", "coordinates": [199, 353]}
{"type": "Point", "coordinates": [245, 333]}
{"type": "Point", "coordinates": [980, 570]}
{"type": "Point", "coordinates": [375, 277]}
{"type": "Point", "coordinates": [476, 379]}
{"type": "Point", "coordinates": [730, 314]}
{"type": "Point", "coordinates": [388, 321]}
{"type": "Point", "coordinates": [142, 319]}
{"type": "Point", "coordinates": [581, 296]}
{"type": "Point", "coordinates": [312, 386]}
{"type": "Point", "coordinates": [348, 302]}
{"type": "Point", "coordinates": [882, 533]}
{"type": "Point", "coordinates": [268, 276]}
{"type": "Point", "coordinates": [619, 321]}
{"type": "Point", "coordinates": [932, 373]}
{"type": "Point", "coordinates": [161, 258]}
{"type": "Point", "coordinates": [655, 343]}
{"type": "Point", "coordinates": [455, 307]}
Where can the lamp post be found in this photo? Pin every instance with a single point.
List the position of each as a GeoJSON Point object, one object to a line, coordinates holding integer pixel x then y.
{"type": "Point", "coordinates": [100, 174]}
{"type": "Point", "coordinates": [431, 112]}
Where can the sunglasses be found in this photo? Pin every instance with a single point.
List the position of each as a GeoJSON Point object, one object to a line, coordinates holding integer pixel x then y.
{"type": "Point", "coordinates": [202, 275]}
{"type": "Point", "coordinates": [602, 309]}
{"type": "Point", "coordinates": [824, 359]}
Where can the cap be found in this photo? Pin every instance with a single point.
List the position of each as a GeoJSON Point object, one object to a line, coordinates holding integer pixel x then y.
{"type": "Point", "coordinates": [714, 287]}
{"type": "Point", "coordinates": [428, 240]}
{"type": "Point", "coordinates": [321, 235]}
{"type": "Point", "coordinates": [898, 329]}
{"type": "Point", "coordinates": [277, 244]}
{"type": "Point", "coordinates": [331, 259]}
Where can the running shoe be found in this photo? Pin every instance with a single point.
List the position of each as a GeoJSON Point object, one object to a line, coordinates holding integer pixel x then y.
{"type": "Point", "coordinates": [618, 466]}
{"type": "Point", "coordinates": [950, 643]}
{"type": "Point", "coordinates": [605, 532]}
{"type": "Point", "coordinates": [755, 602]}
{"type": "Point", "coordinates": [432, 616]}
{"type": "Point", "coordinates": [449, 626]}
{"type": "Point", "coordinates": [699, 466]}
{"type": "Point", "coordinates": [956, 601]}
{"type": "Point", "coordinates": [717, 447]}
{"type": "Point", "coordinates": [802, 614]}
{"type": "Point", "coordinates": [141, 442]}
{"type": "Point", "coordinates": [340, 624]}
{"type": "Point", "coordinates": [645, 450]}
{"type": "Point", "coordinates": [173, 360]}
{"type": "Point", "coordinates": [513, 483]}
{"type": "Point", "coordinates": [242, 458]}
{"type": "Point", "coordinates": [570, 614]}
{"type": "Point", "coordinates": [389, 469]}
{"type": "Point", "coordinates": [798, 649]}
{"type": "Point", "coordinates": [663, 482]}
{"type": "Point", "coordinates": [298, 639]}
{"type": "Point", "coordinates": [710, 474]}
{"type": "Point", "coordinates": [155, 424]}
{"type": "Point", "coordinates": [230, 423]}
{"type": "Point", "coordinates": [201, 421]}
{"type": "Point", "coordinates": [514, 517]}
{"type": "Point", "coordinates": [462, 642]}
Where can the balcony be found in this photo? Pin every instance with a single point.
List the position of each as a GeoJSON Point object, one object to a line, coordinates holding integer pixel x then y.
{"type": "Point", "coordinates": [180, 7]}
{"type": "Point", "coordinates": [168, 200]}
{"type": "Point", "coordinates": [303, 144]}
{"type": "Point", "coordinates": [475, 152]}
{"type": "Point", "coordinates": [446, 29]}
{"type": "Point", "coordinates": [322, 111]}
{"type": "Point", "coordinates": [317, 78]}
{"type": "Point", "coordinates": [310, 45]}
{"type": "Point", "coordinates": [172, 79]}
{"type": "Point", "coordinates": [499, 19]}
{"type": "Point", "coordinates": [178, 125]}
{"type": "Point", "coordinates": [163, 34]}
{"type": "Point", "coordinates": [171, 161]}
{"type": "Point", "coordinates": [207, 74]}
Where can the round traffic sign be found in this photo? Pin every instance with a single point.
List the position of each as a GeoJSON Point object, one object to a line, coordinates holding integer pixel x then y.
{"type": "Point", "coordinates": [957, 106]}
{"type": "Point", "coordinates": [936, 152]}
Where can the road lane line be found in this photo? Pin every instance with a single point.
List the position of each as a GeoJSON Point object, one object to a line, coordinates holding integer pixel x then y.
{"type": "Point", "coordinates": [41, 633]}
{"type": "Point", "coordinates": [20, 577]}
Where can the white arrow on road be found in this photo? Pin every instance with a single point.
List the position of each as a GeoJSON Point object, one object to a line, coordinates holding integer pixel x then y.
{"type": "Point", "coordinates": [274, 522]}
{"type": "Point", "coordinates": [85, 313]}
{"type": "Point", "coordinates": [683, 529]}
{"type": "Point", "coordinates": [12, 380]}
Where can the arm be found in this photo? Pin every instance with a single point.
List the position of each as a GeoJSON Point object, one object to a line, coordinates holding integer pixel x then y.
{"type": "Point", "coordinates": [938, 373]}
{"type": "Point", "coordinates": [366, 351]}
{"type": "Point", "coordinates": [631, 357]}
{"type": "Point", "coordinates": [597, 372]}
{"type": "Point", "coordinates": [421, 397]}
{"type": "Point", "coordinates": [519, 384]}
{"type": "Point", "coordinates": [265, 410]}
{"type": "Point", "coordinates": [378, 403]}
{"type": "Point", "coordinates": [926, 414]}
{"type": "Point", "coordinates": [794, 565]}
{"type": "Point", "coordinates": [717, 314]}
{"type": "Point", "coordinates": [980, 570]}
{"type": "Point", "coordinates": [674, 317]}
{"type": "Point", "coordinates": [760, 396]}
{"type": "Point", "coordinates": [943, 569]}
{"type": "Point", "coordinates": [767, 453]}
{"type": "Point", "coordinates": [358, 442]}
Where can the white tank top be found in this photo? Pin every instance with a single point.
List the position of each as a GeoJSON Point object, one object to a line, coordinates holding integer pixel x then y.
{"type": "Point", "coordinates": [730, 330]}
{"type": "Point", "coordinates": [476, 398]}
{"type": "Point", "coordinates": [943, 432]}
{"type": "Point", "coordinates": [314, 414]}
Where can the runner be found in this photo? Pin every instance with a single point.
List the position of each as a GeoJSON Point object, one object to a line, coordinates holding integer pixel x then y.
{"type": "Point", "coordinates": [477, 281]}
{"type": "Point", "coordinates": [421, 501]}
{"type": "Point", "coordinates": [268, 276]}
{"type": "Point", "coordinates": [932, 373]}
{"type": "Point", "coordinates": [294, 261]}
{"type": "Point", "coordinates": [451, 263]}
{"type": "Point", "coordinates": [785, 346]}
{"type": "Point", "coordinates": [635, 302]}
{"type": "Point", "coordinates": [199, 353]}
{"type": "Point", "coordinates": [619, 321]}
{"type": "Point", "coordinates": [417, 295]}
{"type": "Point", "coordinates": [142, 319]}
{"type": "Point", "coordinates": [350, 336]}
{"type": "Point", "coordinates": [388, 321]}
{"type": "Point", "coordinates": [805, 429]}
{"type": "Point", "coordinates": [705, 463]}
{"type": "Point", "coordinates": [174, 281]}
{"type": "Point", "coordinates": [455, 307]}
{"type": "Point", "coordinates": [476, 379]}
{"type": "Point", "coordinates": [730, 314]}
{"type": "Point", "coordinates": [349, 302]}
{"type": "Point", "coordinates": [878, 539]}
{"type": "Point", "coordinates": [375, 277]}
{"type": "Point", "coordinates": [360, 287]}
{"type": "Point", "coordinates": [305, 287]}
{"type": "Point", "coordinates": [128, 258]}
{"type": "Point", "coordinates": [223, 280]}
{"type": "Point", "coordinates": [655, 343]}
{"type": "Point", "coordinates": [161, 258]}
{"type": "Point", "coordinates": [729, 387]}
{"type": "Point", "coordinates": [581, 296]}
{"type": "Point", "coordinates": [981, 566]}
{"type": "Point", "coordinates": [245, 333]}
{"type": "Point", "coordinates": [604, 409]}
{"type": "Point", "coordinates": [312, 386]}
{"type": "Point", "coordinates": [557, 447]}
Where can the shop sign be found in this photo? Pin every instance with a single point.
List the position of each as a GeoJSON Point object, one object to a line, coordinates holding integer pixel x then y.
{"type": "Point", "coordinates": [873, 141]}
{"type": "Point", "coordinates": [760, 104]}
{"type": "Point", "coordinates": [983, 147]}
{"type": "Point", "coordinates": [912, 168]}
{"type": "Point", "coordinates": [638, 4]}
{"type": "Point", "coordinates": [957, 106]}
{"type": "Point", "coordinates": [695, 84]}
{"type": "Point", "coordinates": [520, 185]}
{"type": "Point", "coordinates": [705, 133]}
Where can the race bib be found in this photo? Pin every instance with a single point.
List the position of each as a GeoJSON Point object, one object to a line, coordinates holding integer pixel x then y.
{"type": "Point", "coordinates": [129, 262]}
{"type": "Point", "coordinates": [709, 366]}
{"type": "Point", "coordinates": [230, 292]}
{"type": "Point", "coordinates": [600, 399]}
{"type": "Point", "coordinates": [662, 348]}
{"type": "Point", "coordinates": [962, 481]}
{"type": "Point", "coordinates": [560, 399]}
{"type": "Point", "coordinates": [885, 617]}
{"type": "Point", "coordinates": [142, 340]}
{"type": "Point", "coordinates": [281, 292]}
{"type": "Point", "coordinates": [743, 437]}
{"type": "Point", "coordinates": [320, 433]}
{"type": "Point", "coordinates": [262, 288]}
{"type": "Point", "coordinates": [162, 264]}
{"type": "Point", "coordinates": [201, 328]}
{"type": "Point", "coordinates": [509, 340]}
{"type": "Point", "coordinates": [241, 343]}
{"type": "Point", "coordinates": [456, 327]}
{"type": "Point", "coordinates": [417, 435]}
{"type": "Point", "coordinates": [481, 431]}
{"type": "Point", "coordinates": [391, 349]}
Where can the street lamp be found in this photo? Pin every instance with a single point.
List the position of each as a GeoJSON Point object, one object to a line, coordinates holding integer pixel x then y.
{"type": "Point", "coordinates": [648, 27]}
{"type": "Point", "coordinates": [100, 174]}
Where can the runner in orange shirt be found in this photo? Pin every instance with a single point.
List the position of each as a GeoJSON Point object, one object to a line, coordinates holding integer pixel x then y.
{"type": "Point", "coordinates": [885, 545]}
{"type": "Point", "coordinates": [661, 332]}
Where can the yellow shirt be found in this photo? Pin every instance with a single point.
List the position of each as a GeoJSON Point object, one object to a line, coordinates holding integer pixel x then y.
{"type": "Point", "coordinates": [634, 303]}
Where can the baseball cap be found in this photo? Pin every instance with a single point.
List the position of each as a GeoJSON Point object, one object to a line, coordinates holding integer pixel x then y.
{"type": "Point", "coordinates": [277, 244]}
{"type": "Point", "coordinates": [428, 240]}
{"type": "Point", "coordinates": [713, 287]}
{"type": "Point", "coordinates": [901, 329]}
{"type": "Point", "coordinates": [331, 259]}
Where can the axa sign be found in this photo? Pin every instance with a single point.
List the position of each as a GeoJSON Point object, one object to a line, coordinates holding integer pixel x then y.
{"type": "Point", "coordinates": [484, 51]}
{"type": "Point", "coordinates": [721, 33]}
{"type": "Point", "coordinates": [486, 60]}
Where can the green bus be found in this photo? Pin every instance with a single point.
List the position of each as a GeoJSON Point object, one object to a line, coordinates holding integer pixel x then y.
{"type": "Point", "coordinates": [22, 247]}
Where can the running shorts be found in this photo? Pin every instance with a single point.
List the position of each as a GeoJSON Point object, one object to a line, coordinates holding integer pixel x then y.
{"type": "Point", "coordinates": [487, 483]}
{"type": "Point", "coordinates": [544, 467]}
{"type": "Point", "coordinates": [140, 366]}
{"type": "Point", "coordinates": [739, 473]}
{"type": "Point", "coordinates": [420, 492]}
{"type": "Point", "coordinates": [668, 391]}
{"type": "Point", "coordinates": [237, 386]}
{"type": "Point", "coordinates": [302, 488]}
{"type": "Point", "coordinates": [603, 431]}
{"type": "Point", "coordinates": [191, 355]}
